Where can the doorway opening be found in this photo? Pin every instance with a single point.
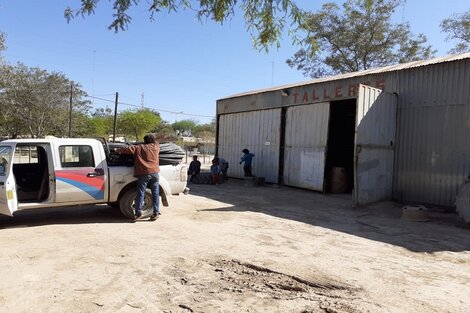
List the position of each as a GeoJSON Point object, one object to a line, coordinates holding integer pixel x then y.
{"type": "Point", "coordinates": [31, 171]}
{"type": "Point", "coordinates": [339, 169]}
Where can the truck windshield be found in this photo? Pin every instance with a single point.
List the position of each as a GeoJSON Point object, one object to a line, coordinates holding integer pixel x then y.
{"type": "Point", "coordinates": [5, 158]}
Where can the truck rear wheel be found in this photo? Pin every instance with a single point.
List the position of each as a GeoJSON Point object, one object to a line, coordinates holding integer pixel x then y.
{"type": "Point", "coordinates": [127, 204]}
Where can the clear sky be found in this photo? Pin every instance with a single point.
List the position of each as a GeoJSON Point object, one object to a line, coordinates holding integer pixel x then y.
{"type": "Point", "coordinates": [177, 63]}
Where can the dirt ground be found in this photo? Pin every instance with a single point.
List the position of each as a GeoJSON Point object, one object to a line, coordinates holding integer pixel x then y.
{"type": "Point", "coordinates": [236, 248]}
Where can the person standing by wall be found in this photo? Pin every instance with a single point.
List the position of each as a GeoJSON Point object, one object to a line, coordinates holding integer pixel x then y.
{"type": "Point", "coordinates": [247, 158]}
{"type": "Point", "coordinates": [146, 169]}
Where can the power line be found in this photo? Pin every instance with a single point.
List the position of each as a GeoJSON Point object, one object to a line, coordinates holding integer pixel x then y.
{"type": "Point", "coordinates": [105, 95]}
{"type": "Point", "coordinates": [158, 110]}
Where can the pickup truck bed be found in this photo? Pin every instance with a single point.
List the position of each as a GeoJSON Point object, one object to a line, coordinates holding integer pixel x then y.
{"type": "Point", "coordinates": [170, 154]}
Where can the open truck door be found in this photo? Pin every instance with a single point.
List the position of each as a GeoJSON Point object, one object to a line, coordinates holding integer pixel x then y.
{"type": "Point", "coordinates": [8, 196]}
{"type": "Point", "coordinates": [376, 117]}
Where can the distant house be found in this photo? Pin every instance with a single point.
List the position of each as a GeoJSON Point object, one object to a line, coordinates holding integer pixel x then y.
{"type": "Point", "coordinates": [199, 145]}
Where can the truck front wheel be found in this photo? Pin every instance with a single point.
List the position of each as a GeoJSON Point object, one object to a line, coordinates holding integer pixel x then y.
{"type": "Point", "coordinates": [127, 204]}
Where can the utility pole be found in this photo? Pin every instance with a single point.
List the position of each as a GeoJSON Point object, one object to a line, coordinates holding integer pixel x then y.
{"type": "Point", "coordinates": [142, 100]}
{"type": "Point", "coordinates": [115, 116]}
{"type": "Point", "coordinates": [70, 110]}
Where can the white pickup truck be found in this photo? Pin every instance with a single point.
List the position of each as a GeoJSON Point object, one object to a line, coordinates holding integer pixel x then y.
{"type": "Point", "coordinates": [56, 172]}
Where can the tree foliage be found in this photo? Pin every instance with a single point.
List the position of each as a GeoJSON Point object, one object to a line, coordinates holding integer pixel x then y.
{"type": "Point", "coordinates": [36, 102]}
{"type": "Point", "coordinates": [101, 122]}
{"type": "Point", "coordinates": [457, 28]}
{"type": "Point", "coordinates": [193, 128]}
{"type": "Point", "coordinates": [205, 131]}
{"type": "Point", "coordinates": [137, 123]}
{"type": "Point", "coordinates": [359, 37]}
{"type": "Point", "coordinates": [264, 19]}
{"type": "Point", "coordinates": [82, 125]}
{"type": "Point", "coordinates": [164, 132]}
{"type": "Point", "coordinates": [184, 127]}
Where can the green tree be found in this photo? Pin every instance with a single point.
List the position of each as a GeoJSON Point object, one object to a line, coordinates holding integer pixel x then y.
{"type": "Point", "coordinates": [137, 123]}
{"type": "Point", "coordinates": [102, 122]}
{"type": "Point", "coordinates": [165, 132]}
{"type": "Point", "coordinates": [205, 130]}
{"type": "Point", "coordinates": [265, 19]}
{"type": "Point", "coordinates": [82, 125]}
{"type": "Point", "coordinates": [9, 125]}
{"type": "Point", "coordinates": [36, 103]}
{"type": "Point", "coordinates": [360, 37]}
{"type": "Point", "coordinates": [457, 28]}
{"type": "Point", "coordinates": [184, 127]}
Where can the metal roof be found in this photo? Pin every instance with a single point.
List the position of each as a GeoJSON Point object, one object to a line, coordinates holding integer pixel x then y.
{"type": "Point", "coordinates": [390, 68]}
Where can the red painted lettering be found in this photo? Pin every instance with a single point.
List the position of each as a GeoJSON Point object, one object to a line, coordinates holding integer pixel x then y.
{"type": "Point", "coordinates": [295, 97]}
{"type": "Point", "coordinates": [325, 96]}
{"type": "Point", "coordinates": [352, 90]}
{"type": "Point", "coordinates": [305, 99]}
{"type": "Point", "coordinates": [338, 92]}
{"type": "Point", "coordinates": [314, 96]}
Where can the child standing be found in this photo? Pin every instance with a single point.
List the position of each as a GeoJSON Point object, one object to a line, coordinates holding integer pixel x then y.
{"type": "Point", "coordinates": [247, 158]}
{"type": "Point", "coordinates": [215, 171]}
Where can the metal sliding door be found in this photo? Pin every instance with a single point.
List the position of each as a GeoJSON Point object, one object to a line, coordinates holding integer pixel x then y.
{"type": "Point", "coordinates": [374, 145]}
{"type": "Point", "coordinates": [305, 145]}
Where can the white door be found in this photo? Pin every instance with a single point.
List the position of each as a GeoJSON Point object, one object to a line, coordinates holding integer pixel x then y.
{"type": "Point", "coordinates": [8, 196]}
{"type": "Point", "coordinates": [305, 145]}
{"type": "Point", "coordinates": [374, 145]}
{"type": "Point", "coordinates": [81, 176]}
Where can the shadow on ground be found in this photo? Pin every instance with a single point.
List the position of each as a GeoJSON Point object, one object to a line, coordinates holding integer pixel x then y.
{"type": "Point", "coordinates": [380, 222]}
{"type": "Point", "coordinates": [70, 215]}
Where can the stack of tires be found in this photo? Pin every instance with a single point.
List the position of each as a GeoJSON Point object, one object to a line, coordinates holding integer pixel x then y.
{"type": "Point", "coordinates": [170, 154]}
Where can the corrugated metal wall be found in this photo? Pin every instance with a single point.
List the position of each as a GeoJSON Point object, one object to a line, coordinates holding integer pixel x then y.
{"type": "Point", "coordinates": [374, 146]}
{"type": "Point", "coordinates": [305, 145]}
{"type": "Point", "coordinates": [433, 148]}
{"type": "Point", "coordinates": [259, 132]}
{"type": "Point", "coordinates": [432, 155]}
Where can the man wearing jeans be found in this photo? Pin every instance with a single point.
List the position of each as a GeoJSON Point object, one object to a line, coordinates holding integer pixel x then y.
{"type": "Point", "coordinates": [146, 168]}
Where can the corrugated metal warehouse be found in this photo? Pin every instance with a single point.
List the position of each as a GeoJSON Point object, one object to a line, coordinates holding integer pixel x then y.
{"type": "Point", "coordinates": [399, 132]}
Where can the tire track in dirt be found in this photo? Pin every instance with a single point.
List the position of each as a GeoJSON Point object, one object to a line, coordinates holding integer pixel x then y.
{"type": "Point", "coordinates": [202, 286]}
